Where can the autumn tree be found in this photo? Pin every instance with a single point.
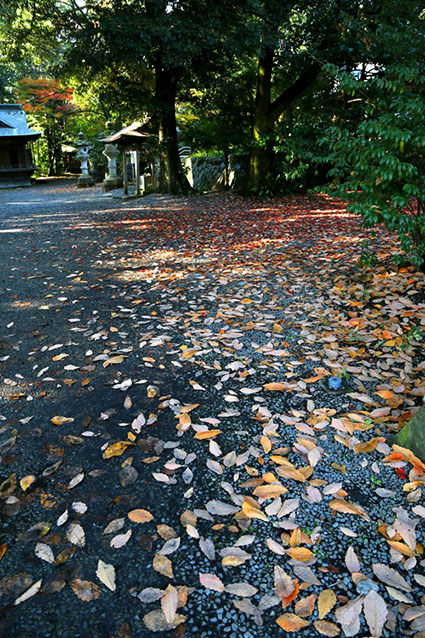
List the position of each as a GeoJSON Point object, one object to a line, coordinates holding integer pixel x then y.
{"type": "Point", "coordinates": [49, 106]}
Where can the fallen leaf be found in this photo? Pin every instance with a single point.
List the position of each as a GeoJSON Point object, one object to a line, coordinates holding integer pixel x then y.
{"type": "Point", "coordinates": [326, 602]}
{"type": "Point", "coordinates": [300, 553]}
{"type": "Point", "coordinates": [327, 628]}
{"type": "Point", "coordinates": [169, 603]}
{"type": "Point", "coordinates": [163, 565]}
{"type": "Point", "coordinates": [44, 552]}
{"type": "Point", "coordinates": [119, 358]}
{"type": "Point", "coordinates": [34, 589]}
{"type": "Point", "coordinates": [156, 621]}
{"type": "Point", "coordinates": [106, 574]}
{"type": "Point", "coordinates": [376, 612]}
{"type": "Point", "coordinates": [343, 506]}
{"type": "Point", "coordinates": [211, 581]}
{"type": "Point", "coordinates": [390, 577]}
{"type": "Point", "coordinates": [245, 590]}
{"type": "Point", "coordinates": [291, 622]}
{"type": "Point", "coordinates": [305, 606]}
{"type": "Point", "coordinates": [59, 420]}
{"type": "Point", "coordinates": [140, 516]}
{"type": "Point", "coordinates": [116, 449]}
{"type": "Point", "coordinates": [75, 534]}
{"type": "Point", "coordinates": [207, 434]}
{"type": "Point", "coordinates": [85, 590]}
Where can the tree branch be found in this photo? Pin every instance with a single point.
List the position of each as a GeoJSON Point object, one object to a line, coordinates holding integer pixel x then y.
{"type": "Point", "coordinates": [297, 88]}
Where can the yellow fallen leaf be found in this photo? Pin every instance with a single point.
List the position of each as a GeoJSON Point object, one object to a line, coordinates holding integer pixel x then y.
{"type": "Point", "coordinates": [3, 548]}
{"type": "Point", "coordinates": [26, 481]}
{"type": "Point", "coordinates": [269, 491]}
{"type": "Point", "coordinates": [232, 561]}
{"type": "Point", "coordinates": [116, 449]}
{"type": "Point", "coordinates": [266, 444]}
{"type": "Point", "coordinates": [370, 445]}
{"type": "Point", "coordinates": [59, 420]}
{"type": "Point", "coordinates": [326, 602]}
{"type": "Point", "coordinates": [300, 553]}
{"type": "Point", "coordinates": [140, 516]}
{"type": "Point", "coordinates": [119, 358]}
{"type": "Point", "coordinates": [402, 548]}
{"type": "Point", "coordinates": [253, 512]}
{"type": "Point", "coordinates": [207, 434]}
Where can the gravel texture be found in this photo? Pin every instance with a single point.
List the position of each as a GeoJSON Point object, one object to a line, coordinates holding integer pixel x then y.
{"type": "Point", "coordinates": [113, 309]}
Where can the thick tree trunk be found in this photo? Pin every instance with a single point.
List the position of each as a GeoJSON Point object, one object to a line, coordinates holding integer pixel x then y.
{"type": "Point", "coordinates": [172, 178]}
{"type": "Point", "coordinates": [267, 114]}
{"type": "Point", "coordinates": [262, 152]}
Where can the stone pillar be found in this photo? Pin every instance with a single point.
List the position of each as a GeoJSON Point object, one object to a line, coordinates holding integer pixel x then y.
{"type": "Point", "coordinates": [137, 174]}
{"type": "Point", "coordinates": [83, 147]}
{"type": "Point", "coordinates": [124, 171]}
{"type": "Point", "coordinates": [112, 180]}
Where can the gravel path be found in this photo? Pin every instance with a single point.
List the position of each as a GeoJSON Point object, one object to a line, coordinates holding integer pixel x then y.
{"type": "Point", "coordinates": [163, 358]}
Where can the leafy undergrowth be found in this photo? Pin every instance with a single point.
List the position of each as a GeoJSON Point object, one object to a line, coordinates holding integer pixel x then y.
{"type": "Point", "coordinates": [172, 457]}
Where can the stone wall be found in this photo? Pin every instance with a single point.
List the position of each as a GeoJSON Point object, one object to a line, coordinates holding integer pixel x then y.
{"type": "Point", "coordinates": [206, 172]}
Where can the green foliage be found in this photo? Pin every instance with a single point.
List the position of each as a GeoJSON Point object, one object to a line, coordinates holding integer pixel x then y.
{"type": "Point", "coordinates": [380, 158]}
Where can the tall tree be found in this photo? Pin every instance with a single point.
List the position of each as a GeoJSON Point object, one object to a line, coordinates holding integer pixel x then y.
{"type": "Point", "coordinates": [169, 40]}
{"type": "Point", "coordinates": [50, 106]}
{"type": "Point", "coordinates": [296, 39]}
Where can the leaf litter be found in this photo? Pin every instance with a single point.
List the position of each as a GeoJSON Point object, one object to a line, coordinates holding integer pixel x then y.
{"type": "Point", "coordinates": [266, 459]}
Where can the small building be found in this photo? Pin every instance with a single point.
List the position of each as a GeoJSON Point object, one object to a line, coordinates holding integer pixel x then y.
{"type": "Point", "coordinates": [16, 138]}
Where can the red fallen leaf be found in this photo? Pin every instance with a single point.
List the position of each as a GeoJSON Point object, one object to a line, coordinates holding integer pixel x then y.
{"type": "Point", "coordinates": [400, 473]}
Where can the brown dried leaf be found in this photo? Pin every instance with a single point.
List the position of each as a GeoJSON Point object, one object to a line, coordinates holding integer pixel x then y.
{"type": "Point", "coordinates": [327, 628]}
{"type": "Point", "coordinates": [163, 565]}
{"type": "Point", "coordinates": [305, 606]}
{"type": "Point", "coordinates": [345, 507]}
{"type": "Point", "coordinates": [85, 590]}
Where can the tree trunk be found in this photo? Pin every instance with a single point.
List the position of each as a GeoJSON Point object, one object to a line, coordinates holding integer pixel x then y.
{"type": "Point", "coordinates": [262, 152]}
{"type": "Point", "coordinates": [50, 152]}
{"type": "Point", "coordinates": [171, 178]}
{"type": "Point", "coordinates": [267, 114]}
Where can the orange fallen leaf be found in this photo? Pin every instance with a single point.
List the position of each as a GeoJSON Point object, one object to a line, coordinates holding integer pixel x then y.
{"type": "Point", "coordinates": [207, 434]}
{"type": "Point", "coordinates": [266, 444]}
{"type": "Point", "coordinates": [140, 516]}
{"type": "Point", "coordinates": [3, 549]}
{"type": "Point", "coordinates": [116, 449]}
{"type": "Point", "coordinates": [59, 420]}
{"type": "Point", "coordinates": [345, 507]}
{"type": "Point", "coordinates": [384, 394]}
{"type": "Point", "coordinates": [275, 386]}
{"type": "Point", "coordinates": [300, 553]}
{"type": "Point", "coordinates": [287, 600]}
{"type": "Point", "coordinates": [291, 622]}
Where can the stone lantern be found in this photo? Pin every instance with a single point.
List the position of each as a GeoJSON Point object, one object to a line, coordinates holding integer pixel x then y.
{"type": "Point", "coordinates": [112, 180]}
{"type": "Point", "coordinates": [83, 148]}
